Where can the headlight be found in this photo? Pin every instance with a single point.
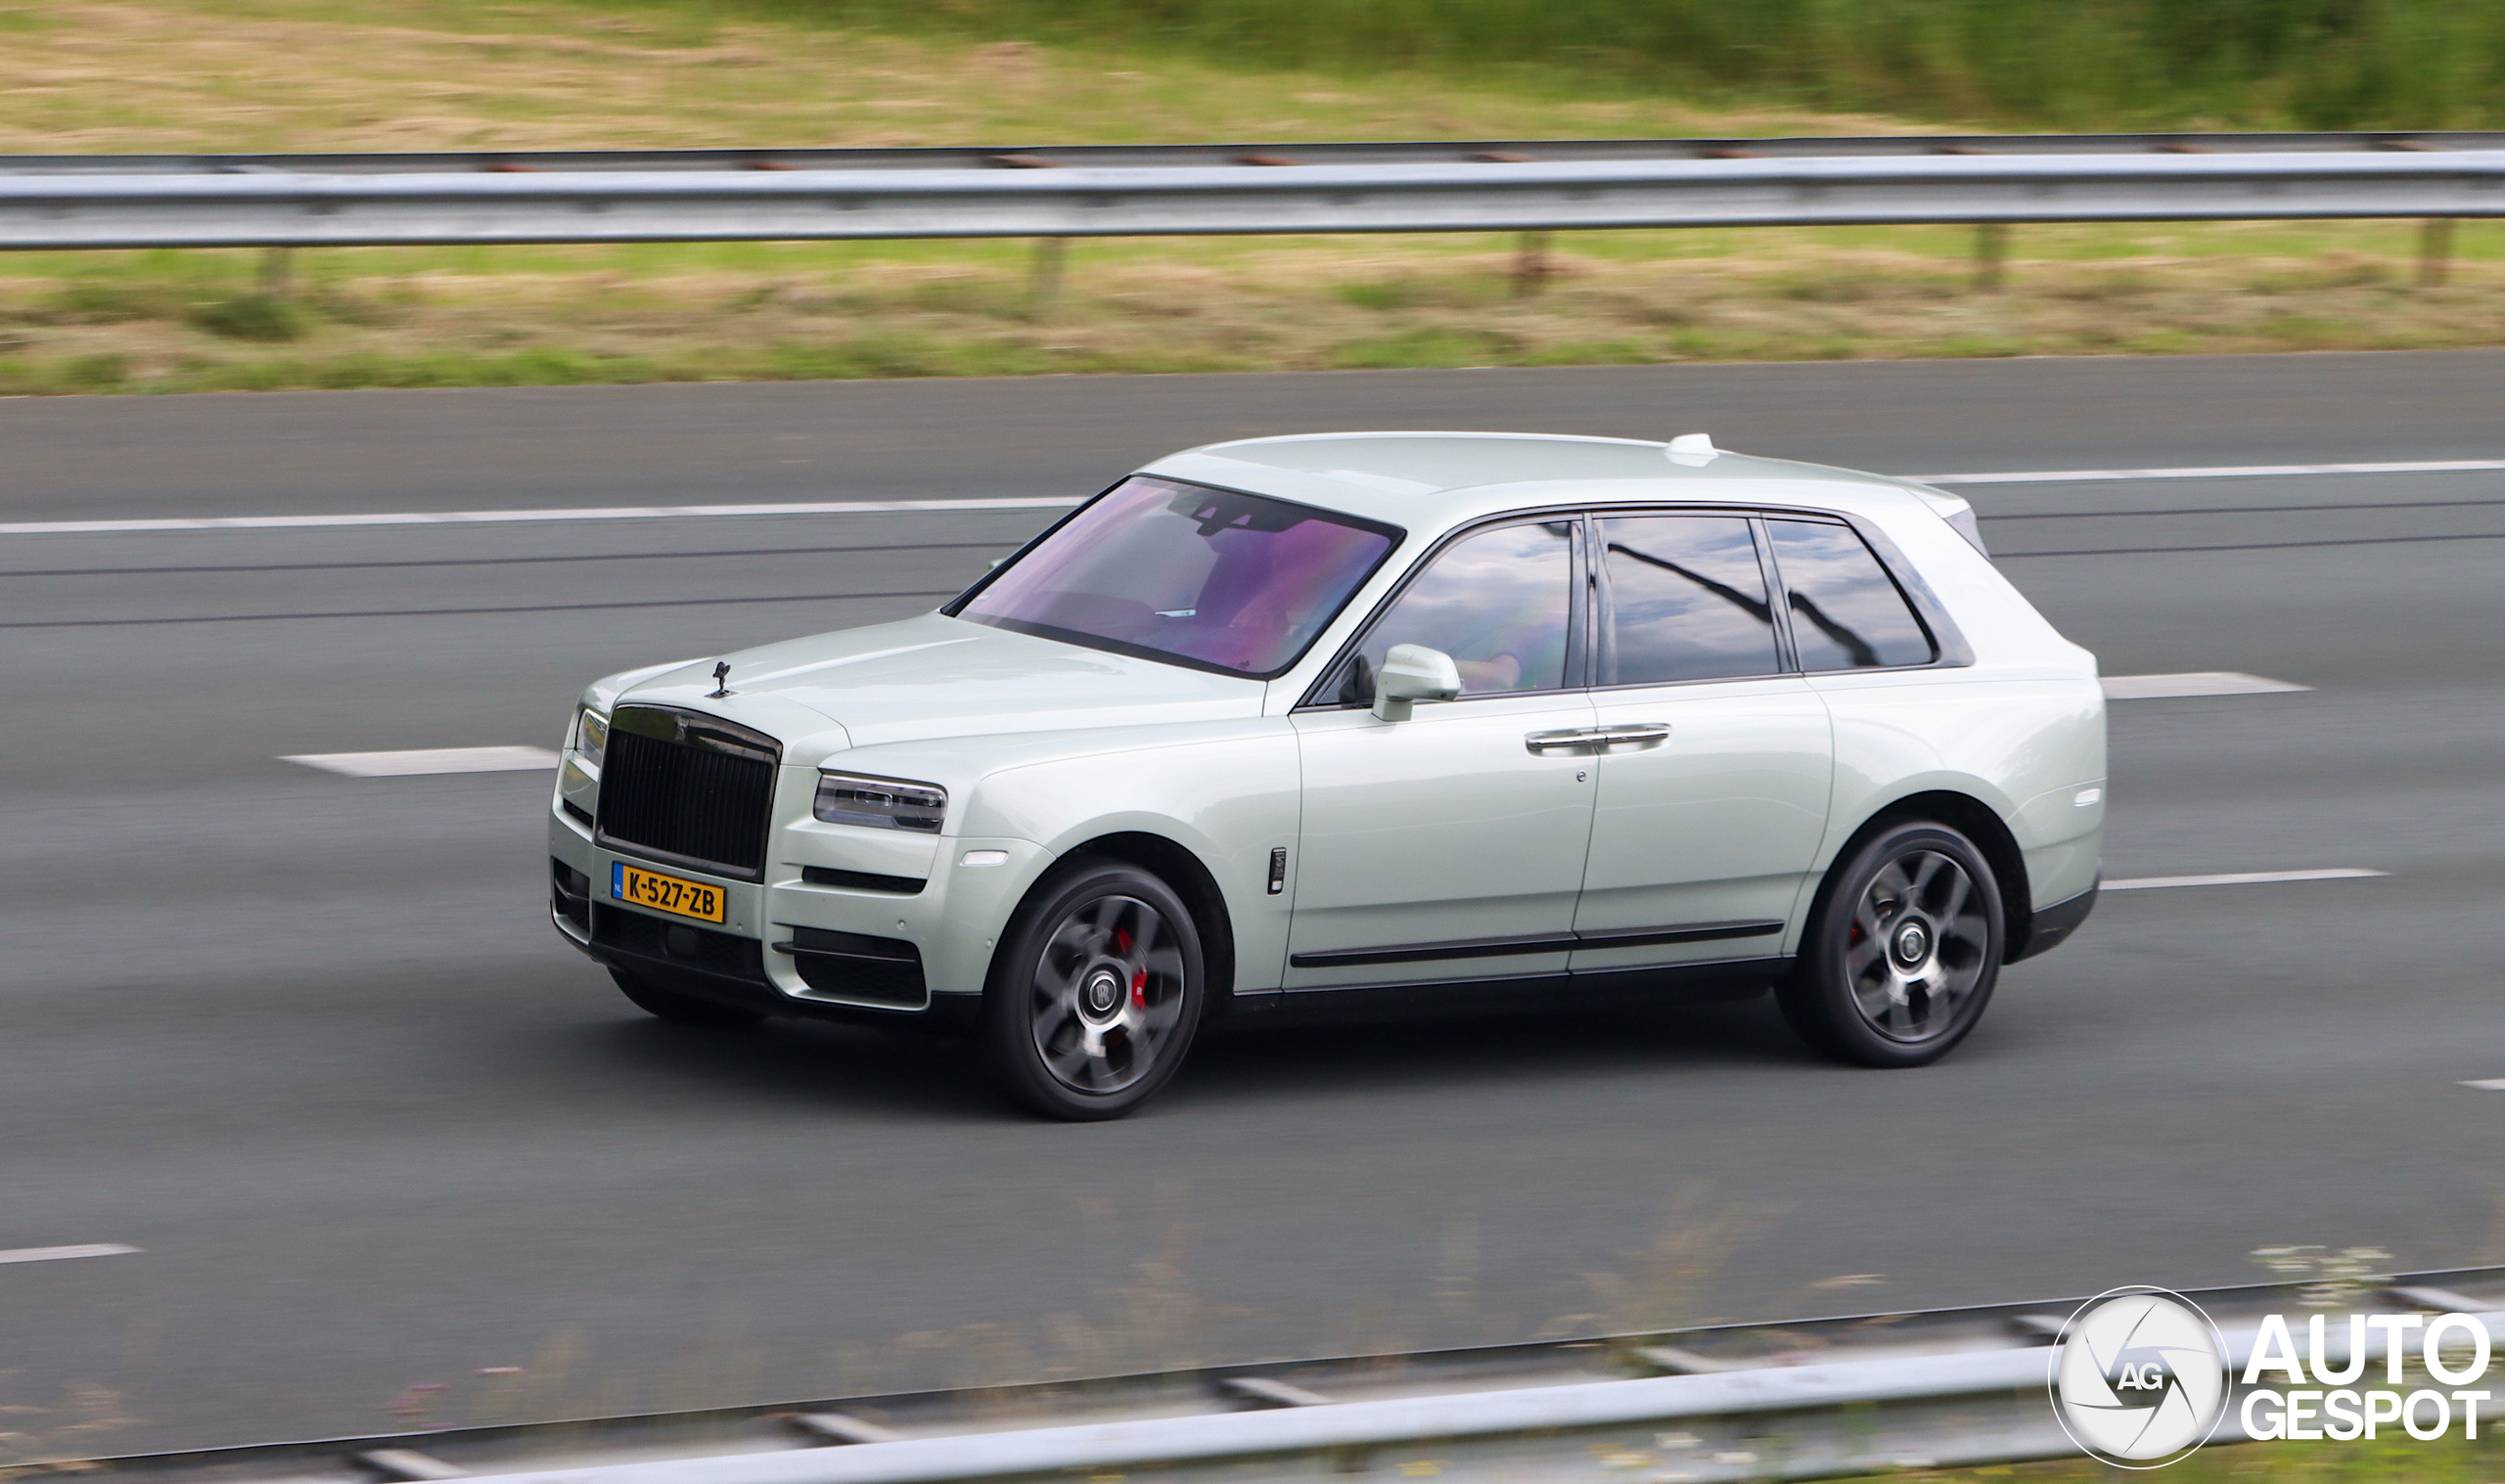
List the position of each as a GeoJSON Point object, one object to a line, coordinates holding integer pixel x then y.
{"type": "Point", "coordinates": [591, 735]}
{"type": "Point", "coordinates": [881, 803]}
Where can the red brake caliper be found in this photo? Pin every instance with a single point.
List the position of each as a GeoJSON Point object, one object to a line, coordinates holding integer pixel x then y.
{"type": "Point", "coordinates": [1139, 976]}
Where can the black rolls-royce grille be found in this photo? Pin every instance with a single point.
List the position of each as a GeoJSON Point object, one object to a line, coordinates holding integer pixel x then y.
{"type": "Point", "coordinates": [688, 788]}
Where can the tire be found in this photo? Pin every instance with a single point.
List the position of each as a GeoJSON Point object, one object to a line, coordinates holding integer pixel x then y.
{"type": "Point", "coordinates": [1096, 993]}
{"type": "Point", "coordinates": [1902, 949]}
{"type": "Point", "coordinates": [680, 1009]}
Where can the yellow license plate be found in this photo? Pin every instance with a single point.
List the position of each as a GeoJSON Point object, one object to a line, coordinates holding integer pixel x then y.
{"type": "Point", "coordinates": [664, 893]}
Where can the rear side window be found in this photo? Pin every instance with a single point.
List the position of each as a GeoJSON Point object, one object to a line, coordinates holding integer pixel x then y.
{"type": "Point", "coordinates": [1687, 601]}
{"type": "Point", "coordinates": [1846, 612]}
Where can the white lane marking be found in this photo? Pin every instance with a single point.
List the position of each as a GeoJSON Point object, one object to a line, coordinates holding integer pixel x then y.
{"type": "Point", "coordinates": [428, 760]}
{"type": "Point", "coordinates": [2219, 472]}
{"type": "Point", "coordinates": [2194, 683]}
{"type": "Point", "coordinates": [1056, 502]}
{"type": "Point", "coordinates": [2243, 878]}
{"type": "Point", "coordinates": [504, 516]}
{"type": "Point", "coordinates": [62, 1254]}
{"type": "Point", "coordinates": [2489, 1083]}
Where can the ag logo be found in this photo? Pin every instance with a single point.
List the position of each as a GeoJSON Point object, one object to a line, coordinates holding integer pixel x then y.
{"type": "Point", "coordinates": [2139, 1377]}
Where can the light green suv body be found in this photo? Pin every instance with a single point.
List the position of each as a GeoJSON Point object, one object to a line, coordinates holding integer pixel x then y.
{"type": "Point", "coordinates": [1537, 837]}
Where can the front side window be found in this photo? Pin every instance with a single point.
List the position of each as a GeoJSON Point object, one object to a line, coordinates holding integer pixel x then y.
{"type": "Point", "coordinates": [1847, 612]}
{"type": "Point", "coordinates": [1213, 578]}
{"type": "Point", "coordinates": [1687, 601]}
{"type": "Point", "coordinates": [1496, 601]}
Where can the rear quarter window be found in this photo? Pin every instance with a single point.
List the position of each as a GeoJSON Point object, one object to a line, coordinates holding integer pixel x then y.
{"type": "Point", "coordinates": [1847, 612]}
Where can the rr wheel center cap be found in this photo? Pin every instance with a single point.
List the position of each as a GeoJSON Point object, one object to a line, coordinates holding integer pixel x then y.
{"type": "Point", "coordinates": [1912, 944]}
{"type": "Point", "coordinates": [1103, 993]}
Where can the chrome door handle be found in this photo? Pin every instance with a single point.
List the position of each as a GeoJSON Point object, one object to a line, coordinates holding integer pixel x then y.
{"type": "Point", "coordinates": [1596, 739]}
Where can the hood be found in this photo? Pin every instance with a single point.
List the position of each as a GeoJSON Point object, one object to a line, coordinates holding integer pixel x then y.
{"type": "Point", "coordinates": [940, 677]}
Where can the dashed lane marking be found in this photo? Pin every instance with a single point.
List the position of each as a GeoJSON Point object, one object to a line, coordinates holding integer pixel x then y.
{"type": "Point", "coordinates": [2244, 879]}
{"type": "Point", "coordinates": [2194, 683]}
{"type": "Point", "coordinates": [428, 760]}
{"type": "Point", "coordinates": [526, 760]}
{"type": "Point", "coordinates": [423, 760]}
{"type": "Point", "coordinates": [62, 1254]}
{"type": "Point", "coordinates": [2213, 472]}
{"type": "Point", "coordinates": [507, 517]}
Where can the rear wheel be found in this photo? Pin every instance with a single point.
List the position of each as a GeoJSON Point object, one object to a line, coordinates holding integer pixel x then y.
{"type": "Point", "coordinates": [1096, 994]}
{"type": "Point", "coordinates": [681, 1009]}
{"type": "Point", "coordinates": [1902, 949]}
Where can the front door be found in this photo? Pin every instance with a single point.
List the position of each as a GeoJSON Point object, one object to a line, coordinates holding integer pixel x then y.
{"type": "Point", "coordinates": [1718, 765]}
{"type": "Point", "coordinates": [1448, 846]}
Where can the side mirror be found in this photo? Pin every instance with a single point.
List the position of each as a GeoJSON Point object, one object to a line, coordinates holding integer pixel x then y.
{"type": "Point", "coordinates": [1410, 673]}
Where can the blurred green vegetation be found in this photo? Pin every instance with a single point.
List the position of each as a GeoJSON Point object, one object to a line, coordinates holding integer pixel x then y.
{"type": "Point", "coordinates": [201, 321]}
{"type": "Point", "coordinates": [2034, 63]}
{"type": "Point", "coordinates": [2392, 1460]}
{"type": "Point", "coordinates": [391, 75]}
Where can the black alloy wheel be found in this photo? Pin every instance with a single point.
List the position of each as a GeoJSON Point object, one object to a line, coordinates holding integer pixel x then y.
{"type": "Point", "coordinates": [1902, 949]}
{"type": "Point", "coordinates": [1096, 993]}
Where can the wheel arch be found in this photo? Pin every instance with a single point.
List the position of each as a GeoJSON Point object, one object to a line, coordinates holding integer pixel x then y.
{"type": "Point", "coordinates": [1177, 867]}
{"type": "Point", "coordinates": [1978, 821]}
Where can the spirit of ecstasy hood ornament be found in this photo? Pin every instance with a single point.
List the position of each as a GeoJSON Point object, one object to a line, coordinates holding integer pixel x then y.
{"type": "Point", "coordinates": [721, 681]}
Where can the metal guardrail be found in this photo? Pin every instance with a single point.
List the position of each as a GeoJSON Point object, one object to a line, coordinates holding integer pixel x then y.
{"type": "Point", "coordinates": [1796, 1401]}
{"type": "Point", "coordinates": [49, 202]}
{"type": "Point", "coordinates": [1308, 152]}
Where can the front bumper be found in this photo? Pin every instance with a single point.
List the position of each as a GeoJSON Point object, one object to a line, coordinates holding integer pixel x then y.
{"type": "Point", "coordinates": [818, 936]}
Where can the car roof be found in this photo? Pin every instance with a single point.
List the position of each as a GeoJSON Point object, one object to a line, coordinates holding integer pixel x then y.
{"type": "Point", "coordinates": [1428, 480]}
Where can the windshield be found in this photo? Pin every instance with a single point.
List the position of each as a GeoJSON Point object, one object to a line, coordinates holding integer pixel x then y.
{"type": "Point", "coordinates": [1210, 579]}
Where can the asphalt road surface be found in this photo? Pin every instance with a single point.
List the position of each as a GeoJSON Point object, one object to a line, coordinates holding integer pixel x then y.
{"type": "Point", "coordinates": [308, 1043]}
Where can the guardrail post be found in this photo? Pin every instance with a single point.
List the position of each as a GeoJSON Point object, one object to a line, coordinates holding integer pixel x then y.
{"type": "Point", "coordinates": [1531, 267]}
{"type": "Point", "coordinates": [1992, 256]}
{"type": "Point", "coordinates": [1043, 283]}
{"type": "Point", "coordinates": [278, 272]}
{"type": "Point", "coordinates": [2435, 250]}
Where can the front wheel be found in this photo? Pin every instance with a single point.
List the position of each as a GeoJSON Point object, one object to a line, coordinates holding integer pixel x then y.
{"type": "Point", "coordinates": [1096, 993]}
{"type": "Point", "coordinates": [1902, 949]}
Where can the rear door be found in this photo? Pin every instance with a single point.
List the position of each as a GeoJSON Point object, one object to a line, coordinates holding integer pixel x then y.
{"type": "Point", "coordinates": [1716, 759]}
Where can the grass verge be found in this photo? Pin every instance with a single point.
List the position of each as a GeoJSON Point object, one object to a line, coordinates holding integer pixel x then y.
{"type": "Point", "coordinates": [2381, 1462]}
{"type": "Point", "coordinates": [400, 74]}
{"type": "Point", "coordinates": [197, 321]}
